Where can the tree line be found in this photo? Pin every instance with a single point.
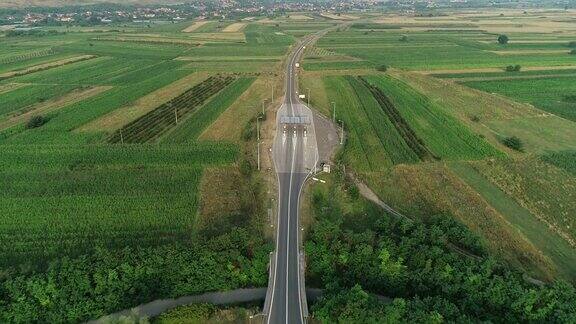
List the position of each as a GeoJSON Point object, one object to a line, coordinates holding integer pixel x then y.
{"type": "Point", "coordinates": [96, 284]}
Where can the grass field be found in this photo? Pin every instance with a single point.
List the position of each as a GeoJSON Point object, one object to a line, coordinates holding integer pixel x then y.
{"type": "Point", "coordinates": [560, 252]}
{"type": "Point", "coordinates": [452, 41]}
{"type": "Point", "coordinates": [556, 95]}
{"type": "Point", "coordinates": [441, 133]}
{"type": "Point", "coordinates": [564, 160]}
{"type": "Point", "coordinates": [495, 116]}
{"type": "Point", "coordinates": [548, 192]}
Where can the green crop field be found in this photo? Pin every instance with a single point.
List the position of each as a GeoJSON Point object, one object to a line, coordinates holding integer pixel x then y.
{"type": "Point", "coordinates": [556, 95]}
{"type": "Point", "coordinates": [441, 133]}
{"type": "Point", "coordinates": [373, 143]}
{"type": "Point", "coordinates": [62, 199]}
{"type": "Point", "coordinates": [565, 160]}
{"type": "Point", "coordinates": [67, 191]}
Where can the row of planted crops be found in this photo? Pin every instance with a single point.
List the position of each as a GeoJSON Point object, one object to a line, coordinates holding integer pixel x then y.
{"type": "Point", "coordinates": [156, 123]}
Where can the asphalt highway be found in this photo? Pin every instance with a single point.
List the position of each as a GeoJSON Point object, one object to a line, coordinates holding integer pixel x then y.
{"type": "Point", "coordinates": [295, 157]}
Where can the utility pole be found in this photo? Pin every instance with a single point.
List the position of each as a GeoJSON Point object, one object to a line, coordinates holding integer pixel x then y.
{"type": "Point", "coordinates": [334, 112]}
{"type": "Point", "coordinates": [308, 97]}
{"type": "Point", "coordinates": [263, 113]}
{"type": "Point", "coordinates": [176, 114]}
{"type": "Point", "coordinates": [272, 87]}
{"type": "Point", "coordinates": [342, 136]}
{"type": "Point", "coordinates": [258, 126]}
{"type": "Point", "coordinates": [258, 149]}
{"type": "Point", "coordinates": [121, 136]}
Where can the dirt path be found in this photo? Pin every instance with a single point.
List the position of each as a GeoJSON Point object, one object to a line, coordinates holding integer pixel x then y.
{"type": "Point", "coordinates": [367, 193]}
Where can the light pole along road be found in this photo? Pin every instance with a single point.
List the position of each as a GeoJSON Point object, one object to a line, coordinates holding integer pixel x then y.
{"type": "Point", "coordinates": [295, 155]}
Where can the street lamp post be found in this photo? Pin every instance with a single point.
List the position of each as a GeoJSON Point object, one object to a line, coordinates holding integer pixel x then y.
{"type": "Point", "coordinates": [334, 112]}
{"type": "Point", "coordinates": [342, 136]}
{"type": "Point", "coordinates": [258, 126]}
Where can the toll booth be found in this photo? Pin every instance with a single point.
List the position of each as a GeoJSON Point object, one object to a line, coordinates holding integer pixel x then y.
{"type": "Point", "coordinates": [294, 120]}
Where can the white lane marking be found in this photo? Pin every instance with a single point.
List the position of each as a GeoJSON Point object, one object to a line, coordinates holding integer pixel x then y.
{"type": "Point", "coordinates": [289, 199]}
{"type": "Point", "coordinates": [294, 144]}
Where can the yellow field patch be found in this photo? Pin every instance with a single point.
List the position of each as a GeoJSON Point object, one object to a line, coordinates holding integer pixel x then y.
{"type": "Point", "coordinates": [235, 27]}
{"type": "Point", "coordinates": [514, 77]}
{"type": "Point", "coordinates": [122, 116]}
{"type": "Point", "coordinates": [45, 66]}
{"type": "Point", "coordinates": [195, 25]}
{"type": "Point", "coordinates": [488, 70]}
{"type": "Point", "coordinates": [529, 52]}
{"type": "Point", "coordinates": [159, 40]}
{"type": "Point", "coordinates": [338, 16]}
{"type": "Point", "coordinates": [219, 196]}
{"type": "Point", "coordinates": [231, 122]}
{"type": "Point", "coordinates": [218, 37]}
{"type": "Point", "coordinates": [10, 86]}
{"type": "Point", "coordinates": [300, 17]}
{"type": "Point", "coordinates": [51, 105]}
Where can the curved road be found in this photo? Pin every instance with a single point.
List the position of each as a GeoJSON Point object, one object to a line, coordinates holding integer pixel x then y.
{"type": "Point", "coordinates": [295, 157]}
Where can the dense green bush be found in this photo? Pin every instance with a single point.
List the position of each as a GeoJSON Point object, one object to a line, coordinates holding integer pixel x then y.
{"type": "Point", "coordinates": [514, 143]}
{"type": "Point", "coordinates": [36, 121]}
{"type": "Point", "coordinates": [513, 68]}
{"type": "Point", "coordinates": [382, 68]}
{"type": "Point", "coordinates": [503, 39]}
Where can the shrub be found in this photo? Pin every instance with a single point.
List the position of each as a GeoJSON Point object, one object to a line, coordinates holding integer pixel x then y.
{"type": "Point", "coordinates": [514, 143]}
{"type": "Point", "coordinates": [403, 38]}
{"type": "Point", "coordinates": [572, 44]}
{"type": "Point", "coordinates": [382, 68]}
{"type": "Point", "coordinates": [573, 52]}
{"type": "Point", "coordinates": [513, 68]}
{"type": "Point", "coordinates": [503, 39]}
{"type": "Point", "coordinates": [36, 121]}
{"type": "Point", "coordinates": [570, 98]}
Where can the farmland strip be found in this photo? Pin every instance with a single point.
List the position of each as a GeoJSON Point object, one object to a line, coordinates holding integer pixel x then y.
{"type": "Point", "coordinates": [45, 66]}
{"type": "Point", "coordinates": [157, 122]}
{"type": "Point", "coordinates": [409, 136]}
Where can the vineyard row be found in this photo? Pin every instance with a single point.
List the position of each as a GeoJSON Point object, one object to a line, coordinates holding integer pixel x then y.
{"type": "Point", "coordinates": [27, 56]}
{"type": "Point", "coordinates": [414, 142]}
{"type": "Point", "coordinates": [157, 122]}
